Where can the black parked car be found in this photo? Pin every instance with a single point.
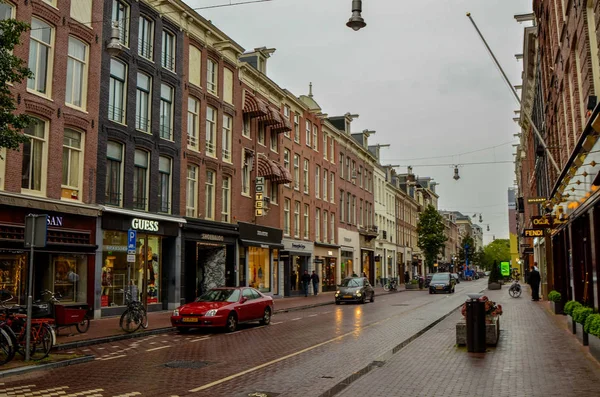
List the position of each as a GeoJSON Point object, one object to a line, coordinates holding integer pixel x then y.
{"type": "Point", "coordinates": [354, 289]}
{"type": "Point", "coordinates": [442, 282]}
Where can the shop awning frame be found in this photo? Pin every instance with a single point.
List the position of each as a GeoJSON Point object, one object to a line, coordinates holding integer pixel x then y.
{"type": "Point", "coordinates": [139, 214]}
{"type": "Point", "coordinates": [254, 107]}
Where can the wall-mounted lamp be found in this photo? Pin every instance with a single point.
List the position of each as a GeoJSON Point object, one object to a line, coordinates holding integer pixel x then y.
{"type": "Point", "coordinates": [356, 21]}
{"type": "Point", "coordinates": [114, 46]}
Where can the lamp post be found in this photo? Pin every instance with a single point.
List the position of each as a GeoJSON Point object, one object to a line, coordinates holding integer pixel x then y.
{"type": "Point", "coordinates": [356, 21]}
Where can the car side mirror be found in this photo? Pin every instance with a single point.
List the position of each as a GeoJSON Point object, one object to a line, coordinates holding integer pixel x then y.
{"type": "Point", "coordinates": [244, 299]}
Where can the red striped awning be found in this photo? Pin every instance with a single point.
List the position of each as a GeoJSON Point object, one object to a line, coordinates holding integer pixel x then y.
{"type": "Point", "coordinates": [272, 118]}
{"type": "Point", "coordinates": [286, 175]}
{"type": "Point", "coordinates": [254, 107]}
{"type": "Point", "coordinates": [285, 126]}
{"type": "Point", "coordinates": [268, 169]}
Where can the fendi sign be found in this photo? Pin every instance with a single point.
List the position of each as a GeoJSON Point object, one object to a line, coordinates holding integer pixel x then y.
{"type": "Point", "coordinates": [541, 222]}
{"type": "Point", "coordinates": [533, 233]}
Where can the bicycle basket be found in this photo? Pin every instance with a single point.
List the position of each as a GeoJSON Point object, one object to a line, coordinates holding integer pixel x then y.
{"type": "Point", "coordinates": [41, 310]}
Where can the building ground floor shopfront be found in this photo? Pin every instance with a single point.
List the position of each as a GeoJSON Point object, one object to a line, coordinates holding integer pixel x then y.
{"type": "Point", "coordinates": [367, 256]}
{"type": "Point", "coordinates": [385, 263]}
{"type": "Point", "coordinates": [209, 258]}
{"type": "Point", "coordinates": [350, 256]}
{"type": "Point", "coordinates": [296, 258]}
{"type": "Point", "coordinates": [65, 265]}
{"type": "Point", "coordinates": [327, 265]}
{"type": "Point", "coordinates": [258, 263]}
{"type": "Point", "coordinates": [151, 272]}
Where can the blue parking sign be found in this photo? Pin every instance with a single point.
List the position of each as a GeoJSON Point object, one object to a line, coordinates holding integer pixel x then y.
{"type": "Point", "coordinates": [131, 239]}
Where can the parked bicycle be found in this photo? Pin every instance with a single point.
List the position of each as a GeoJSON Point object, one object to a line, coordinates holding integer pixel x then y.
{"type": "Point", "coordinates": [515, 289]}
{"type": "Point", "coordinates": [135, 316]}
{"type": "Point", "coordinates": [391, 285]}
{"type": "Point", "coordinates": [13, 334]}
{"type": "Point", "coordinates": [67, 316]}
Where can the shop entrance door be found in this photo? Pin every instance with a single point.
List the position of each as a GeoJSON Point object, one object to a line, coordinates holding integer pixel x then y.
{"type": "Point", "coordinates": [328, 275]}
{"type": "Point", "coordinates": [298, 264]}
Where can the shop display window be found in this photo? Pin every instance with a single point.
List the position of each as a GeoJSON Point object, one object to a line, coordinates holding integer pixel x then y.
{"type": "Point", "coordinates": [69, 277]}
{"type": "Point", "coordinates": [259, 268]}
{"type": "Point", "coordinates": [275, 271]}
{"type": "Point", "coordinates": [328, 274]}
{"type": "Point", "coordinates": [347, 267]}
{"type": "Point", "coordinates": [118, 274]}
{"type": "Point", "coordinates": [13, 278]}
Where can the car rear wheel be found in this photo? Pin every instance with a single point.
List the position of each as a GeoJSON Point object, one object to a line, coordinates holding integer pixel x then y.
{"type": "Point", "coordinates": [266, 319]}
{"type": "Point", "coordinates": [231, 324]}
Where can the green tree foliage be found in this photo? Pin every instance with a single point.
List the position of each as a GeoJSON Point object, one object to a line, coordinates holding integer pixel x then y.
{"type": "Point", "coordinates": [431, 234]}
{"type": "Point", "coordinates": [496, 251]}
{"type": "Point", "coordinates": [12, 70]}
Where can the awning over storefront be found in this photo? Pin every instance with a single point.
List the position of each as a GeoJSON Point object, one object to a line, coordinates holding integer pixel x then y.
{"type": "Point", "coordinates": [268, 168]}
{"type": "Point", "coordinates": [285, 126]}
{"type": "Point", "coordinates": [254, 107]}
{"type": "Point", "coordinates": [272, 118]}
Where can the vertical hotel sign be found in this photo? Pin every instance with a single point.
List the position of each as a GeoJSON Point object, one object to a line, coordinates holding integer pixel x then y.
{"type": "Point", "coordinates": [259, 196]}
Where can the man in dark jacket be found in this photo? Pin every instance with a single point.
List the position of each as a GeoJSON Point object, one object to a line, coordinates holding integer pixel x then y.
{"type": "Point", "coordinates": [534, 282]}
{"type": "Point", "coordinates": [315, 282]}
{"type": "Point", "coordinates": [305, 281]}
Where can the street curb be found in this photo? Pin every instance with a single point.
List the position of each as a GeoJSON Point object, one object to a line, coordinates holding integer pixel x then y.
{"type": "Point", "coordinates": [112, 338]}
{"type": "Point", "coordinates": [59, 364]}
{"type": "Point", "coordinates": [340, 386]}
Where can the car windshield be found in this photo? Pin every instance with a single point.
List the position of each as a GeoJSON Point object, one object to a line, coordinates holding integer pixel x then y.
{"type": "Point", "coordinates": [440, 278]}
{"type": "Point", "coordinates": [352, 282]}
{"type": "Point", "coordinates": [220, 295]}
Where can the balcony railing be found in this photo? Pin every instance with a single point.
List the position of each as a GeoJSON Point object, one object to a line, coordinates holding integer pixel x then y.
{"type": "Point", "coordinates": [116, 114]}
{"type": "Point", "coordinates": [192, 141]}
{"type": "Point", "coordinates": [166, 132]}
{"type": "Point", "coordinates": [139, 203]}
{"type": "Point", "coordinates": [112, 198]}
{"type": "Point", "coordinates": [142, 123]}
{"type": "Point", "coordinates": [145, 48]}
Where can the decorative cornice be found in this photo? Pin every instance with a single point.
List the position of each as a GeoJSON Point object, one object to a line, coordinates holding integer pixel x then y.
{"type": "Point", "coordinates": [80, 30]}
{"type": "Point", "coordinates": [212, 163]}
{"type": "Point", "coordinates": [193, 157]}
{"type": "Point", "coordinates": [76, 121]}
{"type": "Point", "coordinates": [46, 12]}
{"type": "Point", "coordinates": [196, 92]}
{"type": "Point", "coordinates": [38, 108]}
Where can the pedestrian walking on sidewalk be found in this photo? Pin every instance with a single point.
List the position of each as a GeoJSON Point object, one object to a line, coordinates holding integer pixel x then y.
{"type": "Point", "coordinates": [305, 281]}
{"type": "Point", "coordinates": [534, 282]}
{"type": "Point", "coordinates": [315, 282]}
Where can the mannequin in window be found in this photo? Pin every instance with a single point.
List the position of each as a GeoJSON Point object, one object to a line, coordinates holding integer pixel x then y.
{"type": "Point", "coordinates": [106, 277]}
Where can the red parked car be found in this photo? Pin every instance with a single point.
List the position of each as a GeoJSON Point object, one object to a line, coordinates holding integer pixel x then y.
{"type": "Point", "coordinates": [224, 308]}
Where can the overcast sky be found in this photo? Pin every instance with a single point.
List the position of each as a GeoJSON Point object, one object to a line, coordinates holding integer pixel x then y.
{"type": "Point", "coordinates": [418, 74]}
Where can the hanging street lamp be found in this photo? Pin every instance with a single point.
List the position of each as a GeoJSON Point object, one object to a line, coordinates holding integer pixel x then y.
{"type": "Point", "coordinates": [356, 21]}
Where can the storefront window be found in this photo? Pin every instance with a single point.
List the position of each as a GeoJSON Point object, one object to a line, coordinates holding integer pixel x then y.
{"type": "Point", "coordinates": [347, 264]}
{"type": "Point", "coordinates": [13, 276]}
{"type": "Point", "coordinates": [328, 274]}
{"type": "Point", "coordinates": [117, 273]}
{"type": "Point", "coordinates": [69, 277]}
{"type": "Point", "coordinates": [259, 269]}
{"type": "Point", "coordinates": [275, 271]}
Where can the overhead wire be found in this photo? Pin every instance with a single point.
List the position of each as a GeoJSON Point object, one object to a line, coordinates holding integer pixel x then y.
{"type": "Point", "coordinates": [455, 155]}
{"type": "Point", "coordinates": [459, 164]}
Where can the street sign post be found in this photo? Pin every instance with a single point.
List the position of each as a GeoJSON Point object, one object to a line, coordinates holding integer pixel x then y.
{"type": "Point", "coordinates": [131, 251]}
{"type": "Point", "coordinates": [36, 226]}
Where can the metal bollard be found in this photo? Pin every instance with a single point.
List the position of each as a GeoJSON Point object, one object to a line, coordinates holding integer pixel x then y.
{"type": "Point", "coordinates": [475, 326]}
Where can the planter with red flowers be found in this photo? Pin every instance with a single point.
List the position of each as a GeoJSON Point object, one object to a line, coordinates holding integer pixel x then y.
{"type": "Point", "coordinates": [493, 311]}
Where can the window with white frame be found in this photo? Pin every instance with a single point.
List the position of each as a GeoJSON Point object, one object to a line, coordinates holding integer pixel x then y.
{"type": "Point", "coordinates": [308, 132]}
{"type": "Point", "coordinates": [164, 184]}
{"type": "Point", "coordinates": [72, 166]}
{"type": "Point", "coordinates": [195, 66]}
{"type": "Point", "coordinates": [315, 138]}
{"type": "Point", "coordinates": [286, 217]}
{"type": "Point", "coordinates": [325, 148]}
{"type": "Point", "coordinates": [7, 11]}
{"type": "Point", "coordinates": [348, 175]}
{"type": "Point", "coordinates": [286, 162]}
{"type": "Point", "coordinates": [2, 151]}
{"type": "Point", "coordinates": [341, 165]}
{"type": "Point", "coordinates": [114, 174]}
{"type": "Point", "coordinates": [317, 181]}
{"type": "Point", "coordinates": [166, 111]}
{"type": "Point", "coordinates": [261, 136]}
{"type": "Point", "coordinates": [332, 187]}
{"type": "Point", "coordinates": [209, 195]}
{"type": "Point", "coordinates": [191, 201]}
{"type": "Point", "coordinates": [325, 185]}
{"type": "Point", "coordinates": [361, 219]}
{"type": "Point", "coordinates": [246, 173]}
{"type": "Point", "coordinates": [141, 166]}
{"type": "Point", "coordinates": [331, 150]}
{"type": "Point", "coordinates": [274, 137]}
{"type": "Point", "coordinates": [296, 172]}
{"type": "Point", "coordinates": [117, 90]}
{"type": "Point", "coordinates": [325, 225]}
{"type": "Point", "coordinates": [142, 102]}
{"type": "Point", "coordinates": [247, 124]}
{"type": "Point", "coordinates": [228, 85]}
{"type": "Point", "coordinates": [41, 56]}
{"type": "Point", "coordinates": [360, 176]}
{"type": "Point", "coordinates": [296, 128]}
{"type": "Point", "coordinates": [33, 171]}
{"type": "Point", "coordinates": [51, 2]}
{"type": "Point", "coordinates": [332, 231]}
{"type": "Point", "coordinates": [145, 37]}
{"type": "Point", "coordinates": [297, 219]}
{"type": "Point", "coordinates": [353, 175]}
{"type": "Point", "coordinates": [193, 123]}
{"type": "Point", "coordinates": [212, 76]}
{"type": "Point", "coordinates": [342, 206]}
{"type": "Point", "coordinates": [353, 213]}
{"type": "Point", "coordinates": [305, 172]}
{"type": "Point", "coordinates": [318, 224]}
{"type": "Point", "coordinates": [306, 221]}
{"type": "Point", "coordinates": [226, 199]}
{"type": "Point", "coordinates": [348, 209]}
{"type": "Point", "coordinates": [227, 139]}
{"type": "Point", "coordinates": [77, 71]}
{"type": "Point", "coordinates": [211, 136]}
{"type": "Point", "coordinates": [274, 192]}
{"type": "Point", "coordinates": [120, 15]}
{"type": "Point", "coordinates": [286, 114]}
{"type": "Point", "coordinates": [167, 57]}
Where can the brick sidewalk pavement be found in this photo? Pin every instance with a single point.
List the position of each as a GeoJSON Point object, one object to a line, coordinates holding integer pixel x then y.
{"type": "Point", "coordinates": [536, 356]}
{"type": "Point", "coordinates": [106, 328]}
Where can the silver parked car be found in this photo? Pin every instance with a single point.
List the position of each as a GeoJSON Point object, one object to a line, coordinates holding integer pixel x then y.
{"type": "Point", "coordinates": [354, 289]}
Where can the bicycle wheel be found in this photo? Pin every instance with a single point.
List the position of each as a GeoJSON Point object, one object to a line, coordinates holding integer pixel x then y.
{"type": "Point", "coordinates": [386, 288]}
{"type": "Point", "coordinates": [7, 348]}
{"type": "Point", "coordinates": [515, 292]}
{"type": "Point", "coordinates": [84, 325]}
{"type": "Point", "coordinates": [144, 315]}
{"type": "Point", "coordinates": [130, 321]}
{"type": "Point", "coordinates": [42, 341]}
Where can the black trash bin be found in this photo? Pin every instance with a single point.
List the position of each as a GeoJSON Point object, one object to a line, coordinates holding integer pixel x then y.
{"type": "Point", "coordinates": [475, 326]}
